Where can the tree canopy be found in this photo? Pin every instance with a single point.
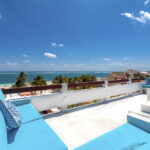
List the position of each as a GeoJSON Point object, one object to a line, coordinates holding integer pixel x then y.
{"type": "Point", "coordinates": [21, 80]}
{"type": "Point", "coordinates": [39, 80]}
{"type": "Point", "coordinates": [83, 78]}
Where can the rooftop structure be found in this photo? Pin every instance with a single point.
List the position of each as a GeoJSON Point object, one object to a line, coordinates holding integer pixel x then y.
{"type": "Point", "coordinates": [76, 126]}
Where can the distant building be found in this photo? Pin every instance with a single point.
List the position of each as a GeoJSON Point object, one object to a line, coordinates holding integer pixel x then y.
{"type": "Point", "coordinates": [117, 76]}
{"type": "Point", "coordinates": [130, 73]}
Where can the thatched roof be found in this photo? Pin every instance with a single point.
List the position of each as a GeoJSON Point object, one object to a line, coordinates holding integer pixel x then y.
{"type": "Point", "coordinates": [130, 73]}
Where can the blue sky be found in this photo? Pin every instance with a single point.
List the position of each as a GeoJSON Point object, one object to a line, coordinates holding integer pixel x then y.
{"type": "Point", "coordinates": [72, 35]}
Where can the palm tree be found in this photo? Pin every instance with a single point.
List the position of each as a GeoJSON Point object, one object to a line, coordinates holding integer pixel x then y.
{"type": "Point", "coordinates": [21, 80]}
{"type": "Point", "coordinates": [39, 80]}
{"type": "Point", "coordinates": [58, 79]}
{"type": "Point", "coordinates": [83, 78]}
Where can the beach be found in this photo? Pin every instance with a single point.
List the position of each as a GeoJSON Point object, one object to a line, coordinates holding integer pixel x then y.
{"type": "Point", "coordinates": [9, 78]}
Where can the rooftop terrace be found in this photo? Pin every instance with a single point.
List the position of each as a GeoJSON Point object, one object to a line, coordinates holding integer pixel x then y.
{"type": "Point", "coordinates": [80, 125]}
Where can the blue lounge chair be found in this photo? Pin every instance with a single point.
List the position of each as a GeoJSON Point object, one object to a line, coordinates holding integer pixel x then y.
{"type": "Point", "coordinates": [134, 135]}
{"type": "Point", "coordinates": [34, 133]}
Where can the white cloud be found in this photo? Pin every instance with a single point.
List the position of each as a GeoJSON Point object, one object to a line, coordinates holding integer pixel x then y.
{"type": "Point", "coordinates": [25, 55]}
{"type": "Point", "coordinates": [50, 55]}
{"type": "Point", "coordinates": [26, 61]}
{"type": "Point", "coordinates": [60, 45]}
{"type": "Point", "coordinates": [12, 64]}
{"type": "Point", "coordinates": [79, 65]}
{"type": "Point", "coordinates": [67, 65]}
{"type": "Point", "coordinates": [112, 66]}
{"type": "Point", "coordinates": [125, 58]}
{"type": "Point", "coordinates": [128, 15]}
{"type": "Point", "coordinates": [107, 59]}
{"type": "Point", "coordinates": [117, 63]}
{"type": "Point", "coordinates": [146, 2]}
{"type": "Point", "coordinates": [142, 18]}
{"type": "Point", "coordinates": [54, 44]}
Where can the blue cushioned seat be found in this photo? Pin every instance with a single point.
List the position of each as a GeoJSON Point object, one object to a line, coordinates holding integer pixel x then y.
{"type": "Point", "coordinates": [146, 86]}
{"type": "Point", "coordinates": [2, 95]}
{"type": "Point", "coordinates": [36, 135]}
{"type": "Point", "coordinates": [142, 124]}
{"type": "Point", "coordinates": [3, 133]}
{"type": "Point", "coordinates": [144, 147]}
{"type": "Point", "coordinates": [33, 134]}
{"type": "Point", "coordinates": [148, 80]}
{"type": "Point", "coordinates": [11, 114]}
{"type": "Point", "coordinates": [29, 113]}
{"type": "Point", "coordinates": [124, 137]}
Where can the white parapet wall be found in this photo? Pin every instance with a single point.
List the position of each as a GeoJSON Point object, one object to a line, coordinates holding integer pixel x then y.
{"type": "Point", "coordinates": [65, 97]}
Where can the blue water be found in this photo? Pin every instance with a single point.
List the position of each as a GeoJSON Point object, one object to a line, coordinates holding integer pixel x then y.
{"type": "Point", "coordinates": [10, 77]}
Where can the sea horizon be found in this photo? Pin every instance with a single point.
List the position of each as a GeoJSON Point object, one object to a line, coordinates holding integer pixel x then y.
{"type": "Point", "coordinates": [9, 77]}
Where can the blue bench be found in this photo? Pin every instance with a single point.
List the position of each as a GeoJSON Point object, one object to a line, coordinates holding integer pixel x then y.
{"type": "Point", "coordinates": [34, 133]}
{"type": "Point", "coordinates": [133, 135]}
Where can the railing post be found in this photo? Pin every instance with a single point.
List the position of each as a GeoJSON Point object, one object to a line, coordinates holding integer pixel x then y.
{"type": "Point", "coordinates": [64, 89]}
{"type": "Point", "coordinates": [106, 86]}
{"type": "Point", "coordinates": [141, 88]}
{"type": "Point", "coordinates": [130, 84]}
{"type": "Point", "coordinates": [130, 81]}
{"type": "Point", "coordinates": [105, 83]}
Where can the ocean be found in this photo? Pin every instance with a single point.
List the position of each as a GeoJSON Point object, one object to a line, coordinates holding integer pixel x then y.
{"type": "Point", "coordinates": [9, 77]}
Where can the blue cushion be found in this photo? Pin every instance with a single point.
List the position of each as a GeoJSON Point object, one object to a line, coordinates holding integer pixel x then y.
{"type": "Point", "coordinates": [20, 102]}
{"type": "Point", "coordinates": [148, 80]}
{"type": "Point", "coordinates": [146, 86]}
{"type": "Point", "coordinates": [3, 133]}
{"type": "Point", "coordinates": [28, 113]}
{"type": "Point", "coordinates": [36, 135]}
{"type": "Point", "coordinates": [144, 125]}
{"type": "Point", "coordinates": [11, 114]}
{"type": "Point", "coordinates": [2, 95]}
{"type": "Point", "coordinates": [124, 137]}
{"type": "Point", "coordinates": [144, 147]}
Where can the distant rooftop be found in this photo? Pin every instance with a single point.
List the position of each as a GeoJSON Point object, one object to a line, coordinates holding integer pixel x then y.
{"type": "Point", "coordinates": [78, 127]}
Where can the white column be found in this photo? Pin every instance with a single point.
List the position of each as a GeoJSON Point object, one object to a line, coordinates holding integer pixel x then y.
{"type": "Point", "coordinates": [106, 89]}
{"type": "Point", "coordinates": [130, 84]}
{"type": "Point", "coordinates": [130, 81]}
{"type": "Point", "coordinates": [105, 83]}
{"type": "Point", "coordinates": [63, 90]}
{"type": "Point", "coordinates": [148, 94]}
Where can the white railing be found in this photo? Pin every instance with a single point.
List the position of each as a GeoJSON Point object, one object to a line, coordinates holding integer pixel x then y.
{"type": "Point", "coordinates": [65, 97]}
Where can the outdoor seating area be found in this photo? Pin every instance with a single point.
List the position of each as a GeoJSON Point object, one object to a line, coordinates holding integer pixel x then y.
{"type": "Point", "coordinates": [33, 134]}
{"type": "Point", "coordinates": [108, 129]}
{"type": "Point", "coordinates": [125, 137]}
{"type": "Point", "coordinates": [135, 134]}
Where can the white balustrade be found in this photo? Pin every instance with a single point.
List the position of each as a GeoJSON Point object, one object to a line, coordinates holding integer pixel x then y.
{"type": "Point", "coordinates": [65, 97]}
